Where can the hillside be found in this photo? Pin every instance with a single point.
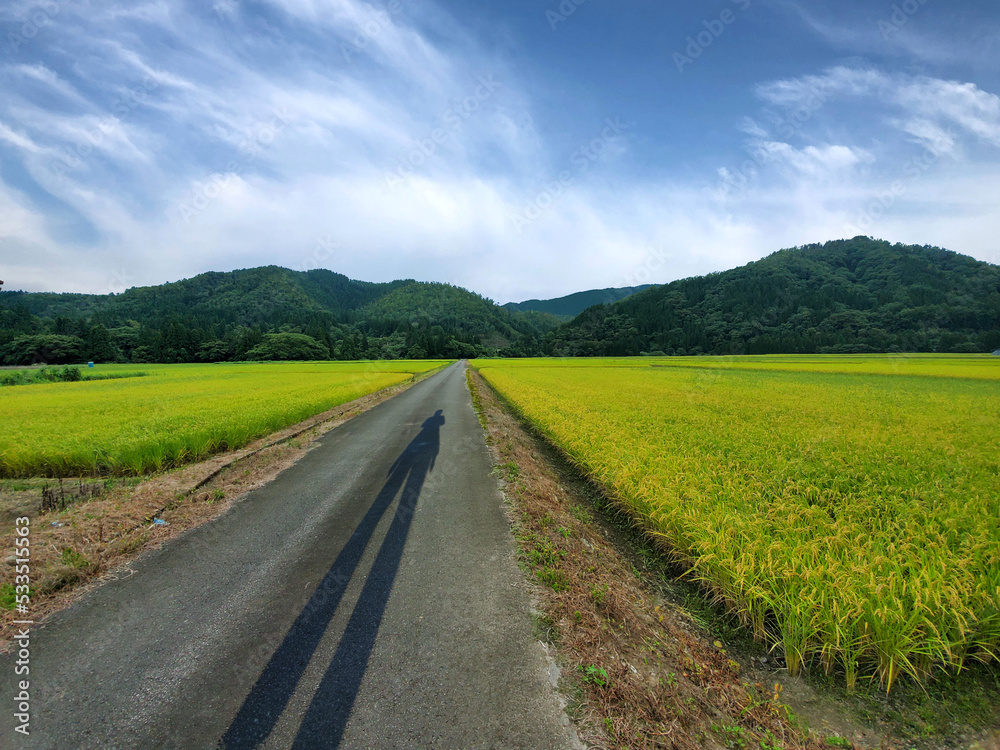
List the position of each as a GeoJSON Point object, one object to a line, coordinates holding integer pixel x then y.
{"type": "Point", "coordinates": [859, 295]}
{"type": "Point", "coordinates": [444, 305]}
{"type": "Point", "coordinates": [224, 316]}
{"type": "Point", "coordinates": [244, 297]}
{"type": "Point", "coordinates": [568, 307]}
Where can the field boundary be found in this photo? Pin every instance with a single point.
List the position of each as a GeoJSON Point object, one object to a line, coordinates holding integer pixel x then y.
{"type": "Point", "coordinates": [869, 716]}
{"type": "Point", "coordinates": [638, 670]}
{"type": "Point", "coordinates": [95, 540]}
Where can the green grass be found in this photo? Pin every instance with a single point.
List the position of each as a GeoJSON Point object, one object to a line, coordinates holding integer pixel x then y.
{"type": "Point", "coordinates": [176, 414]}
{"type": "Point", "coordinates": [593, 675]}
{"type": "Point", "coordinates": [66, 374]}
{"type": "Point", "coordinates": [8, 596]}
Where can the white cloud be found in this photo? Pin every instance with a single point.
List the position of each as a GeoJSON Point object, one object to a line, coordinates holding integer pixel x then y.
{"type": "Point", "coordinates": [243, 156]}
{"type": "Point", "coordinates": [19, 140]}
{"type": "Point", "coordinates": [963, 104]}
{"type": "Point", "coordinates": [929, 134]}
{"type": "Point", "coordinates": [814, 161]}
{"type": "Point", "coordinates": [934, 101]}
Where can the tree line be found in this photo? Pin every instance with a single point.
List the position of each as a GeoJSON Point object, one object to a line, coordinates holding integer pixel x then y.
{"type": "Point", "coordinates": [849, 296]}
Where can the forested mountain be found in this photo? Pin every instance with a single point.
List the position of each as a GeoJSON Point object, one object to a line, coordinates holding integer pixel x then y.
{"type": "Point", "coordinates": [568, 307]}
{"type": "Point", "coordinates": [859, 295]}
{"type": "Point", "coordinates": [246, 297]}
{"type": "Point", "coordinates": [224, 316]}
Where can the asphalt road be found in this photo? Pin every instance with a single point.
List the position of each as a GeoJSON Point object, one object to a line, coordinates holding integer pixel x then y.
{"type": "Point", "coordinates": [366, 598]}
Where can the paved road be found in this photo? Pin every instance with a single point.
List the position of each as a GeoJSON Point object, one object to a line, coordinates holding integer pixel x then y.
{"type": "Point", "coordinates": [367, 598]}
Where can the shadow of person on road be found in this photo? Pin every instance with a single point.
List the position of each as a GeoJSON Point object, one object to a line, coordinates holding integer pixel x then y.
{"type": "Point", "coordinates": [327, 716]}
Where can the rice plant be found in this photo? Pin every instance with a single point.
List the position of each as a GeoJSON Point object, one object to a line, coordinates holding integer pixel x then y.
{"type": "Point", "coordinates": [175, 414]}
{"type": "Point", "coordinates": [846, 510]}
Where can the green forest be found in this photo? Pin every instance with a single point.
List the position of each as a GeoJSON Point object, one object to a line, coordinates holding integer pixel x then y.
{"type": "Point", "coordinates": [267, 313]}
{"type": "Point", "coordinates": [568, 307]}
{"type": "Point", "coordinates": [850, 296]}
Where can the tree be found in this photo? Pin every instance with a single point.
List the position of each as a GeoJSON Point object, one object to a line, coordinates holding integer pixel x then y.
{"type": "Point", "coordinates": [47, 349]}
{"type": "Point", "coordinates": [288, 347]}
{"type": "Point", "coordinates": [99, 347]}
{"type": "Point", "coordinates": [215, 351]}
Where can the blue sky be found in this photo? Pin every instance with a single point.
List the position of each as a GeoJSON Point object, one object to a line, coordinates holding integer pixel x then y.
{"type": "Point", "coordinates": [519, 149]}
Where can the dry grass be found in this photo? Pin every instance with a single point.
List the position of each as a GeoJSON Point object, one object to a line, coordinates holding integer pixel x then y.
{"type": "Point", "coordinates": [668, 685]}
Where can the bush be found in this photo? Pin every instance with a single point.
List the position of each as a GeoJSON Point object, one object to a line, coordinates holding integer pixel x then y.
{"type": "Point", "coordinates": [65, 374]}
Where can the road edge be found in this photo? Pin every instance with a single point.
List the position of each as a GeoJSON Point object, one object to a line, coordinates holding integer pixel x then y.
{"type": "Point", "coordinates": [162, 507]}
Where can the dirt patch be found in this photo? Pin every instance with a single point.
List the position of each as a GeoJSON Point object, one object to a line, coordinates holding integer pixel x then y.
{"type": "Point", "coordinates": [97, 536]}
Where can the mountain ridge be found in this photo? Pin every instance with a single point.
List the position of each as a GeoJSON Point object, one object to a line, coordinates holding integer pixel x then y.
{"type": "Point", "coordinates": [567, 307]}
{"type": "Point", "coordinates": [845, 296]}
{"type": "Point", "coordinates": [227, 313]}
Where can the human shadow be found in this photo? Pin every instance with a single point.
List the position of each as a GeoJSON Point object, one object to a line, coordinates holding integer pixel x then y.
{"type": "Point", "coordinates": [327, 716]}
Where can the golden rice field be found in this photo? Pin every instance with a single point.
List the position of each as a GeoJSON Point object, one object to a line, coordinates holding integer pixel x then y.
{"type": "Point", "coordinates": [177, 413]}
{"type": "Point", "coordinates": [845, 508]}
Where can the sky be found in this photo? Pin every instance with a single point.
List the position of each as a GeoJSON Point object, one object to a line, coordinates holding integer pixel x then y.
{"type": "Point", "coordinates": [517, 148]}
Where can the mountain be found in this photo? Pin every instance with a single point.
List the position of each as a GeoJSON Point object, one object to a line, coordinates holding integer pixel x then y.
{"type": "Point", "coordinates": [859, 295]}
{"type": "Point", "coordinates": [222, 316]}
{"type": "Point", "coordinates": [848, 296]}
{"type": "Point", "coordinates": [566, 308]}
{"type": "Point", "coordinates": [247, 297]}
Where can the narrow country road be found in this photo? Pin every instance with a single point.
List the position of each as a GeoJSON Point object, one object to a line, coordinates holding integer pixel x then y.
{"type": "Point", "coordinates": [366, 598]}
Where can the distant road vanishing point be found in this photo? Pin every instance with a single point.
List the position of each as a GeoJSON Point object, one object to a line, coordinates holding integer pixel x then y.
{"type": "Point", "coordinates": [368, 597]}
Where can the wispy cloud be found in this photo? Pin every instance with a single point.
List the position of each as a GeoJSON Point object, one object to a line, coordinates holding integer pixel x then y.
{"type": "Point", "coordinates": [157, 140]}
{"type": "Point", "coordinates": [924, 102]}
{"type": "Point", "coordinates": [916, 30]}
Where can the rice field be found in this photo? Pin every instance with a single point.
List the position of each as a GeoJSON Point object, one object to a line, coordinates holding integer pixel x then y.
{"type": "Point", "coordinates": [173, 414]}
{"type": "Point", "coordinates": [846, 509]}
